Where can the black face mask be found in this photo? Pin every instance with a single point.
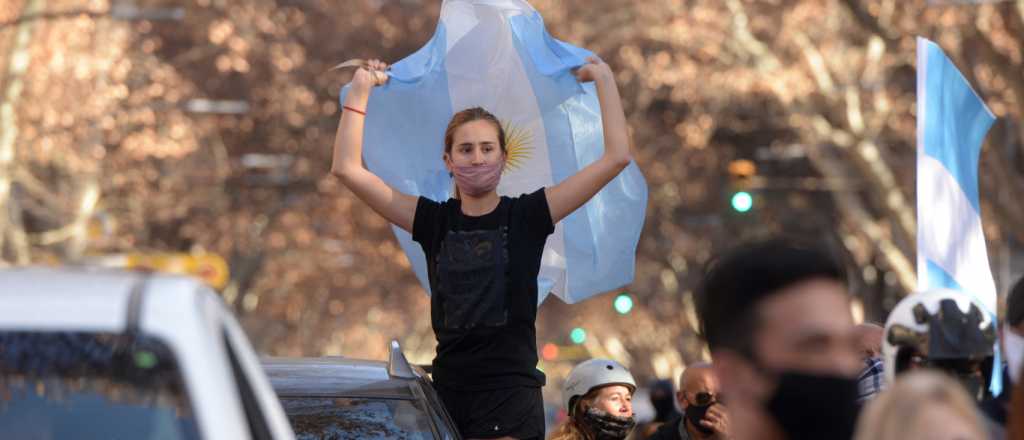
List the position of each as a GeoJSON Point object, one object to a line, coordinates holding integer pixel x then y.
{"type": "Point", "coordinates": [606, 426]}
{"type": "Point", "coordinates": [696, 413]}
{"type": "Point", "coordinates": [815, 407]}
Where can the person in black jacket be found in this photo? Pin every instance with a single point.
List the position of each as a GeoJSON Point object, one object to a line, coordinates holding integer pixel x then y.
{"type": "Point", "coordinates": [704, 416]}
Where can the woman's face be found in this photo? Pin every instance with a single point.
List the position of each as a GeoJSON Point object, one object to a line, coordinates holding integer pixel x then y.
{"type": "Point", "coordinates": [616, 400]}
{"type": "Point", "coordinates": [474, 143]}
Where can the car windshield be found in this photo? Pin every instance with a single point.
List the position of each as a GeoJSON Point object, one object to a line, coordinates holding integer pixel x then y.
{"type": "Point", "coordinates": [319, 418]}
{"type": "Point", "coordinates": [58, 385]}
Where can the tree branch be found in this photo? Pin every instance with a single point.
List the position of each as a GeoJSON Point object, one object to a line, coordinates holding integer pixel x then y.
{"type": "Point", "coordinates": [999, 61]}
{"type": "Point", "coordinates": [10, 224]}
{"type": "Point", "coordinates": [853, 210]}
{"type": "Point", "coordinates": [869, 22]}
{"type": "Point", "coordinates": [819, 69]}
{"type": "Point", "coordinates": [78, 228]}
{"type": "Point", "coordinates": [881, 176]}
{"type": "Point", "coordinates": [1007, 184]}
{"type": "Point", "coordinates": [869, 157]}
{"type": "Point", "coordinates": [764, 57]}
{"type": "Point", "coordinates": [38, 190]}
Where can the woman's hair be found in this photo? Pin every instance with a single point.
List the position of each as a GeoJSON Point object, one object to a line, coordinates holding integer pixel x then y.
{"type": "Point", "coordinates": [893, 413]}
{"type": "Point", "coordinates": [573, 427]}
{"type": "Point", "coordinates": [470, 115]}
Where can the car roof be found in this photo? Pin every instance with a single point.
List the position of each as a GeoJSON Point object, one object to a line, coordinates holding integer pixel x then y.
{"type": "Point", "coordinates": [333, 376]}
{"type": "Point", "coordinates": [86, 299]}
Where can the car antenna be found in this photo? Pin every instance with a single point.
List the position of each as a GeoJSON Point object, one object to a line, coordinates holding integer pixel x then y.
{"type": "Point", "coordinates": [138, 289]}
{"type": "Point", "coordinates": [398, 366]}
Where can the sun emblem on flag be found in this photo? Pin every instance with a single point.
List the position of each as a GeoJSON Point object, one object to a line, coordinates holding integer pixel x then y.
{"type": "Point", "coordinates": [518, 144]}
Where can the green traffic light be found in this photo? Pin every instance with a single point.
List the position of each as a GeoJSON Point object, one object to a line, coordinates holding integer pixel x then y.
{"type": "Point", "coordinates": [145, 359]}
{"type": "Point", "coordinates": [623, 303]}
{"type": "Point", "coordinates": [742, 201]}
{"type": "Point", "coordinates": [578, 335]}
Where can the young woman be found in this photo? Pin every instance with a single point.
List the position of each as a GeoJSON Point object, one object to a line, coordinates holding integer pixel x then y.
{"type": "Point", "coordinates": [483, 252]}
{"type": "Point", "coordinates": [599, 398]}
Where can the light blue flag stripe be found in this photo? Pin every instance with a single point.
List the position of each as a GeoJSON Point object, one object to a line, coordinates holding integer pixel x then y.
{"type": "Point", "coordinates": [956, 120]}
{"type": "Point", "coordinates": [409, 159]}
{"type": "Point", "coordinates": [610, 224]}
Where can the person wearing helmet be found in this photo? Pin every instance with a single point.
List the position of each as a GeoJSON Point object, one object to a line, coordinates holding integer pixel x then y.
{"type": "Point", "coordinates": [948, 331]}
{"type": "Point", "coordinates": [945, 330]}
{"type": "Point", "coordinates": [598, 396]}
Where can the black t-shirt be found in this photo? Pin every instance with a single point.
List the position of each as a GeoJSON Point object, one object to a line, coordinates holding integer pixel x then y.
{"type": "Point", "coordinates": [504, 354]}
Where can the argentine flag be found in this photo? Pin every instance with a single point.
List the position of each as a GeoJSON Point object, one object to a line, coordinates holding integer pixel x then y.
{"type": "Point", "coordinates": [496, 54]}
{"type": "Point", "coordinates": [951, 124]}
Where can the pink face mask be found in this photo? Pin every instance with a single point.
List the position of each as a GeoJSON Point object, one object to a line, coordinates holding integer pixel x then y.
{"type": "Point", "coordinates": [477, 180]}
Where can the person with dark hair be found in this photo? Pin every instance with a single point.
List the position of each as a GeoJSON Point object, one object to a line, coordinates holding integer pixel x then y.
{"type": "Point", "coordinates": [704, 415]}
{"type": "Point", "coordinates": [483, 251]}
{"type": "Point", "coordinates": [776, 317]}
{"type": "Point", "coordinates": [1011, 339]}
{"type": "Point", "coordinates": [1015, 419]}
{"type": "Point", "coordinates": [663, 400]}
{"type": "Point", "coordinates": [1012, 333]}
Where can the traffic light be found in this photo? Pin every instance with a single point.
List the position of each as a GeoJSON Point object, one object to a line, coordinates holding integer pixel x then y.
{"type": "Point", "coordinates": [549, 352]}
{"type": "Point", "coordinates": [742, 201]}
{"type": "Point", "coordinates": [578, 335]}
{"type": "Point", "coordinates": [145, 359]}
{"type": "Point", "coordinates": [623, 303]}
{"type": "Point", "coordinates": [741, 171]}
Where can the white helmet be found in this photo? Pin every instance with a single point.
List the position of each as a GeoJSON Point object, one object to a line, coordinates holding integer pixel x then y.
{"type": "Point", "coordinates": [593, 374]}
{"type": "Point", "coordinates": [942, 328]}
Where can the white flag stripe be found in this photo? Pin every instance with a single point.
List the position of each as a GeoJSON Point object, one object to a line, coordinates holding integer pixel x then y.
{"type": "Point", "coordinates": [504, 89]}
{"type": "Point", "coordinates": [954, 241]}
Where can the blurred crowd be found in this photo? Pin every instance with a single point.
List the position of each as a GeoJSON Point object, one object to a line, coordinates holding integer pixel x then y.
{"type": "Point", "coordinates": [789, 362]}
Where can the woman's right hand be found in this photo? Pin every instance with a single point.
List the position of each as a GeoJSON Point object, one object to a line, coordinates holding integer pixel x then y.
{"type": "Point", "coordinates": [372, 75]}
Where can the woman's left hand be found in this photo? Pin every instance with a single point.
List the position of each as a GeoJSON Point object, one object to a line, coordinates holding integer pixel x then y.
{"type": "Point", "coordinates": [595, 69]}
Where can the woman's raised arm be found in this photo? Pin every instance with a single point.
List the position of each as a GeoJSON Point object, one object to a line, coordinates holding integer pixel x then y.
{"type": "Point", "coordinates": [573, 192]}
{"type": "Point", "coordinates": [397, 207]}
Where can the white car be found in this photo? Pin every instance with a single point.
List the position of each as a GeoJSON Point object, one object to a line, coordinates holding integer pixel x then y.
{"type": "Point", "coordinates": [101, 354]}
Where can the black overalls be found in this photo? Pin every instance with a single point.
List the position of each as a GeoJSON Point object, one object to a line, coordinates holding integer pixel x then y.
{"type": "Point", "coordinates": [472, 273]}
{"type": "Point", "coordinates": [483, 277]}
